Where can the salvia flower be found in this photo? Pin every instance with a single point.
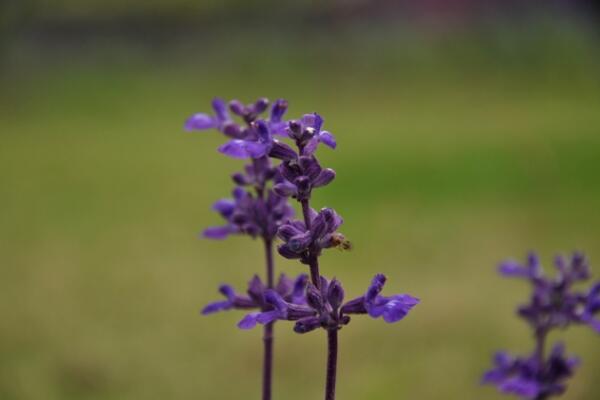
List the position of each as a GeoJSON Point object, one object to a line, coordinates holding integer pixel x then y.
{"type": "Point", "coordinates": [391, 309]}
{"type": "Point", "coordinates": [257, 141]}
{"type": "Point", "coordinates": [554, 301]}
{"type": "Point", "coordinates": [324, 307]}
{"type": "Point", "coordinates": [249, 214]}
{"type": "Point", "coordinates": [202, 121]}
{"type": "Point", "coordinates": [286, 288]}
{"type": "Point", "coordinates": [254, 137]}
{"type": "Point", "coordinates": [530, 377]}
{"type": "Point", "coordinates": [301, 175]}
{"type": "Point", "coordinates": [308, 134]}
{"type": "Point", "coordinates": [302, 243]}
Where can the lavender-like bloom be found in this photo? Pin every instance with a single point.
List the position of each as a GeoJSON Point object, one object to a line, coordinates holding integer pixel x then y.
{"type": "Point", "coordinates": [202, 121]}
{"type": "Point", "coordinates": [308, 134]}
{"type": "Point", "coordinates": [289, 290]}
{"type": "Point", "coordinates": [255, 139]}
{"type": "Point", "coordinates": [325, 309]}
{"type": "Point", "coordinates": [255, 210]}
{"type": "Point", "coordinates": [304, 244]}
{"type": "Point", "coordinates": [265, 213]}
{"type": "Point", "coordinates": [530, 378]}
{"type": "Point", "coordinates": [554, 303]}
{"type": "Point", "coordinates": [392, 308]}
{"type": "Point", "coordinates": [301, 175]}
{"type": "Point", "coordinates": [251, 215]}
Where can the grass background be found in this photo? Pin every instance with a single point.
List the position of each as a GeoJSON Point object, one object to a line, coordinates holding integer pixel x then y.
{"type": "Point", "coordinates": [454, 153]}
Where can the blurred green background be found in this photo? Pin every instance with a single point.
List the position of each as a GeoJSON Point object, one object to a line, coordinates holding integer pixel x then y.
{"type": "Point", "coordinates": [466, 135]}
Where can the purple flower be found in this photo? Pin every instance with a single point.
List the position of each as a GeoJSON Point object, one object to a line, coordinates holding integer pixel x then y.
{"type": "Point", "coordinates": [392, 308]}
{"type": "Point", "coordinates": [554, 301]}
{"type": "Point", "coordinates": [276, 122]}
{"type": "Point", "coordinates": [302, 243]}
{"type": "Point", "coordinates": [531, 377]}
{"type": "Point", "coordinates": [255, 139]}
{"type": "Point", "coordinates": [257, 142]}
{"type": "Point", "coordinates": [324, 307]}
{"type": "Point", "coordinates": [278, 308]}
{"type": "Point", "coordinates": [308, 134]}
{"type": "Point", "coordinates": [202, 121]}
{"type": "Point", "coordinates": [292, 291]}
{"type": "Point", "coordinates": [251, 215]}
{"type": "Point", "coordinates": [301, 176]}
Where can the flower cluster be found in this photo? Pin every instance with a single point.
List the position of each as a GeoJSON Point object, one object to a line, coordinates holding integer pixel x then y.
{"type": "Point", "coordinates": [300, 242]}
{"type": "Point", "coordinates": [325, 307]}
{"type": "Point", "coordinates": [259, 208]}
{"type": "Point", "coordinates": [554, 303]}
{"type": "Point", "coordinates": [301, 175]}
{"type": "Point", "coordinates": [255, 139]}
{"type": "Point", "coordinates": [530, 377]}
{"type": "Point", "coordinates": [290, 290]}
{"type": "Point", "coordinates": [249, 214]}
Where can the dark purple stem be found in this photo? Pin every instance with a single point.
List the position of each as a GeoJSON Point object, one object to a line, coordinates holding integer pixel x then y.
{"type": "Point", "coordinates": [540, 342]}
{"type": "Point", "coordinates": [315, 276]}
{"type": "Point", "coordinates": [268, 329]}
{"type": "Point", "coordinates": [332, 350]}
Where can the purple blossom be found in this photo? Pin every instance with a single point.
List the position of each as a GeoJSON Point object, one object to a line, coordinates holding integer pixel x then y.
{"type": "Point", "coordinates": [257, 141]}
{"type": "Point", "coordinates": [392, 308]}
{"type": "Point", "coordinates": [287, 289]}
{"type": "Point", "coordinates": [324, 307]}
{"type": "Point", "coordinates": [252, 139]}
{"type": "Point", "coordinates": [308, 134]}
{"type": "Point", "coordinates": [554, 301]}
{"type": "Point", "coordinates": [248, 214]}
{"type": "Point", "coordinates": [202, 121]}
{"type": "Point", "coordinates": [302, 243]}
{"type": "Point", "coordinates": [301, 176]}
{"type": "Point", "coordinates": [530, 377]}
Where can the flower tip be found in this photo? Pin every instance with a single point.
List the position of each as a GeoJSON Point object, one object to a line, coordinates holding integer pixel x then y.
{"type": "Point", "coordinates": [199, 121]}
{"type": "Point", "coordinates": [248, 322]}
{"type": "Point", "coordinates": [216, 233]}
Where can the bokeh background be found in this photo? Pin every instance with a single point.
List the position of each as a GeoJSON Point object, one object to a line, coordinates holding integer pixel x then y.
{"type": "Point", "coordinates": [468, 132]}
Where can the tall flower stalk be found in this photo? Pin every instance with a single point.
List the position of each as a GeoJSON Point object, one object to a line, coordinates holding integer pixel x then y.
{"type": "Point", "coordinates": [553, 304]}
{"type": "Point", "coordinates": [305, 240]}
{"type": "Point", "coordinates": [255, 209]}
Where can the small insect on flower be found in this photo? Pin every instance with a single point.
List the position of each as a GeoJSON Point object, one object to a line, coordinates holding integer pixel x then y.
{"type": "Point", "coordinates": [340, 242]}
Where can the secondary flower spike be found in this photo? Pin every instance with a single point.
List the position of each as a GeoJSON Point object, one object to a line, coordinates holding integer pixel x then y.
{"type": "Point", "coordinates": [554, 304]}
{"type": "Point", "coordinates": [532, 378]}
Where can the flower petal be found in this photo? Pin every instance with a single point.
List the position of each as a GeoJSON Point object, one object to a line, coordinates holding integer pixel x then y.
{"type": "Point", "coordinates": [200, 121]}
{"type": "Point", "coordinates": [224, 207]}
{"type": "Point", "coordinates": [216, 307]}
{"type": "Point", "coordinates": [327, 139]}
{"type": "Point", "coordinates": [324, 178]}
{"type": "Point", "coordinates": [220, 108]}
{"type": "Point", "coordinates": [218, 232]}
{"type": "Point", "coordinates": [249, 321]}
{"type": "Point", "coordinates": [235, 148]}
